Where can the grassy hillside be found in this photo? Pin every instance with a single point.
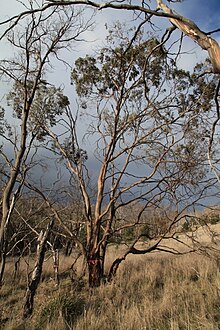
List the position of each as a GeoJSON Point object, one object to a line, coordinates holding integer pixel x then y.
{"type": "Point", "coordinates": [155, 292]}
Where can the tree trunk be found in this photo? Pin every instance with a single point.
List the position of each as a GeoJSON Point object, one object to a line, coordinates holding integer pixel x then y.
{"type": "Point", "coordinates": [7, 209]}
{"type": "Point", "coordinates": [5, 231]}
{"type": "Point", "coordinates": [95, 271]}
{"type": "Point", "coordinates": [16, 268]}
{"type": "Point", "coordinates": [3, 261]}
{"type": "Point", "coordinates": [114, 268]}
{"type": "Point", "coordinates": [56, 266]}
{"type": "Point", "coordinates": [36, 275]}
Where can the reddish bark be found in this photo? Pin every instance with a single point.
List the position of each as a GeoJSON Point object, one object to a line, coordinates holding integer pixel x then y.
{"type": "Point", "coordinates": [95, 272]}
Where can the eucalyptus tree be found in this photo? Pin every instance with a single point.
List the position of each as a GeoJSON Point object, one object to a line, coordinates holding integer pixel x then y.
{"type": "Point", "coordinates": [148, 9]}
{"type": "Point", "coordinates": [35, 45]}
{"type": "Point", "coordinates": [149, 125]}
{"type": "Point", "coordinates": [141, 113]}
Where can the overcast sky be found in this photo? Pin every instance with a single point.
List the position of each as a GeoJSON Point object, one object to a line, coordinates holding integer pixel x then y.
{"type": "Point", "coordinates": [205, 13]}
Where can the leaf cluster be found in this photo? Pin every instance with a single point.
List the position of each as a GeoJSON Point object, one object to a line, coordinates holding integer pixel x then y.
{"type": "Point", "coordinates": [119, 65]}
{"type": "Point", "coordinates": [49, 103]}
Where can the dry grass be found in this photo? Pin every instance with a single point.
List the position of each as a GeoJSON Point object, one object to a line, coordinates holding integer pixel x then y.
{"type": "Point", "coordinates": [154, 292]}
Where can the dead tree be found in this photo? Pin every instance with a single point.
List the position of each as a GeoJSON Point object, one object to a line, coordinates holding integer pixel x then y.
{"type": "Point", "coordinates": [56, 265]}
{"type": "Point", "coordinates": [36, 274]}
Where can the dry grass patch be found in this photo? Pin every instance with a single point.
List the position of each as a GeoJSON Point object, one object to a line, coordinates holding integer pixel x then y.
{"type": "Point", "coordinates": [150, 292]}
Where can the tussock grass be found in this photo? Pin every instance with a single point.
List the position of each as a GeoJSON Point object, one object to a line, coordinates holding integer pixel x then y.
{"type": "Point", "coordinates": [154, 292]}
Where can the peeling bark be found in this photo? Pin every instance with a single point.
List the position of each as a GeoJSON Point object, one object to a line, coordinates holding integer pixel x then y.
{"type": "Point", "coordinates": [189, 28]}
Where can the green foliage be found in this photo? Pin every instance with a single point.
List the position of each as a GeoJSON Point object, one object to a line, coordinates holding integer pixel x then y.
{"type": "Point", "coordinates": [2, 115]}
{"type": "Point", "coordinates": [120, 64]}
{"type": "Point", "coordinates": [136, 79]}
{"type": "Point", "coordinates": [147, 232]}
{"type": "Point", "coordinates": [186, 226]}
{"type": "Point", "coordinates": [73, 153]}
{"type": "Point", "coordinates": [48, 103]}
{"type": "Point", "coordinates": [128, 234]}
{"type": "Point", "coordinates": [211, 216]}
{"type": "Point", "coordinates": [213, 220]}
{"type": "Point", "coordinates": [91, 75]}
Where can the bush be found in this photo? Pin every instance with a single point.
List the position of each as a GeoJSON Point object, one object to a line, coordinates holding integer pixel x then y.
{"type": "Point", "coordinates": [69, 307]}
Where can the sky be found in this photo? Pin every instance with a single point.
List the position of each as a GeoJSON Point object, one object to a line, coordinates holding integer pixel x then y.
{"type": "Point", "coordinates": [205, 13]}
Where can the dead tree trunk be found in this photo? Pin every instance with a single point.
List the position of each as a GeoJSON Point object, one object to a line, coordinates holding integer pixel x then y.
{"type": "Point", "coordinates": [36, 274]}
{"type": "Point", "coordinates": [56, 266]}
